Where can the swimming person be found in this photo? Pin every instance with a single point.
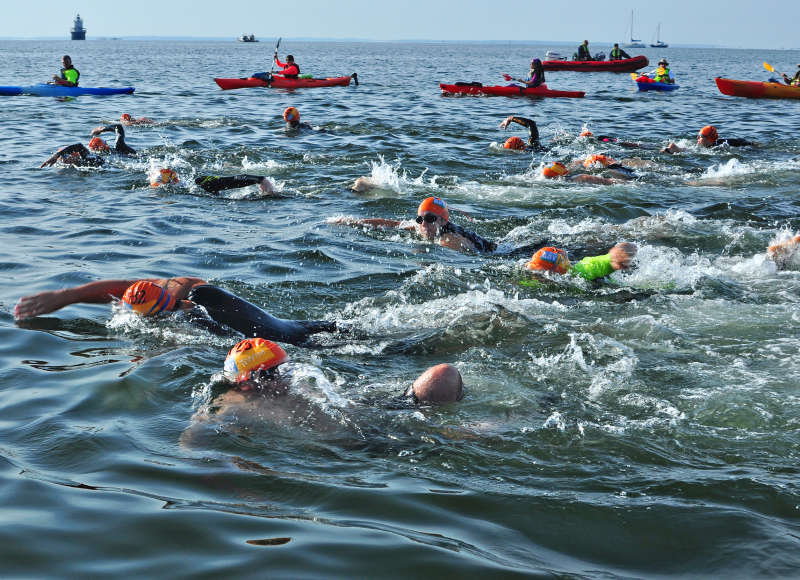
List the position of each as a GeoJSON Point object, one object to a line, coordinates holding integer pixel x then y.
{"type": "Point", "coordinates": [126, 119]}
{"type": "Point", "coordinates": [120, 147]}
{"type": "Point", "coordinates": [555, 260]}
{"type": "Point", "coordinates": [617, 172]}
{"type": "Point", "coordinates": [517, 143]}
{"type": "Point", "coordinates": [432, 223]}
{"type": "Point", "coordinates": [69, 74]}
{"type": "Point", "coordinates": [707, 138]}
{"type": "Point", "coordinates": [215, 183]}
{"type": "Point", "coordinates": [150, 297]}
{"type": "Point", "coordinates": [292, 117]}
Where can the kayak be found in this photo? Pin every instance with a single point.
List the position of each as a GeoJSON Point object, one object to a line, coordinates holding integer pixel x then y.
{"type": "Point", "coordinates": [282, 83]}
{"type": "Point", "coordinates": [476, 89]}
{"type": "Point", "coordinates": [648, 84]}
{"type": "Point", "coordinates": [757, 89]}
{"type": "Point", "coordinates": [62, 91]}
{"type": "Point", "coordinates": [621, 65]}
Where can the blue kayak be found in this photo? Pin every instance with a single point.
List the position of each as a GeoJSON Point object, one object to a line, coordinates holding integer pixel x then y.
{"type": "Point", "coordinates": [654, 86]}
{"type": "Point", "coordinates": [62, 91]}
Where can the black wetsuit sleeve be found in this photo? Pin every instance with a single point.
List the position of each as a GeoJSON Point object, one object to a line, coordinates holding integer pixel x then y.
{"type": "Point", "coordinates": [733, 142]}
{"type": "Point", "coordinates": [216, 183]}
{"type": "Point", "coordinates": [119, 145]}
{"type": "Point", "coordinates": [481, 244]}
{"type": "Point", "coordinates": [533, 131]}
{"type": "Point", "coordinates": [239, 314]}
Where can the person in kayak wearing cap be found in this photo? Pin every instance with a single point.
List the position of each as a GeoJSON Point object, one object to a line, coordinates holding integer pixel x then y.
{"type": "Point", "coordinates": [153, 296]}
{"type": "Point", "coordinates": [533, 135]}
{"type": "Point", "coordinates": [292, 117]}
{"type": "Point", "coordinates": [126, 119]}
{"type": "Point", "coordinates": [290, 68]}
{"type": "Point", "coordinates": [583, 52]}
{"type": "Point", "coordinates": [69, 74]}
{"type": "Point", "coordinates": [432, 223]}
{"type": "Point", "coordinates": [120, 147]}
{"type": "Point", "coordinates": [617, 53]}
{"type": "Point", "coordinates": [662, 73]}
{"type": "Point", "coordinates": [590, 268]}
{"type": "Point", "coordinates": [616, 172]}
{"type": "Point", "coordinates": [707, 138]}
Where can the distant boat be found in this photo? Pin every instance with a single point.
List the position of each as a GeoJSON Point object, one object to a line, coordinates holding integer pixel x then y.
{"type": "Point", "coordinates": [635, 42]}
{"type": "Point", "coordinates": [78, 32]}
{"type": "Point", "coordinates": [247, 38]}
{"type": "Point", "coordinates": [658, 43]}
{"type": "Point", "coordinates": [551, 55]}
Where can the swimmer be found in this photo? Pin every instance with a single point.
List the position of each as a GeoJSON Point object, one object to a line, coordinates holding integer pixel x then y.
{"type": "Point", "coordinates": [155, 296]}
{"type": "Point", "coordinates": [126, 119]}
{"type": "Point", "coordinates": [785, 254]}
{"type": "Point", "coordinates": [120, 147]}
{"type": "Point", "coordinates": [292, 117]}
{"type": "Point", "coordinates": [533, 135]}
{"type": "Point", "coordinates": [586, 134]}
{"type": "Point", "coordinates": [432, 223]}
{"type": "Point", "coordinates": [76, 155]}
{"type": "Point", "coordinates": [618, 172]}
{"type": "Point", "coordinates": [590, 268]}
{"type": "Point", "coordinates": [708, 138]}
{"type": "Point", "coordinates": [363, 184]}
{"type": "Point", "coordinates": [439, 384]}
{"type": "Point", "coordinates": [215, 183]}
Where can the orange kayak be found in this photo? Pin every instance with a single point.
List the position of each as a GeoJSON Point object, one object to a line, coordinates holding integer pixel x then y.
{"type": "Point", "coordinates": [756, 89]}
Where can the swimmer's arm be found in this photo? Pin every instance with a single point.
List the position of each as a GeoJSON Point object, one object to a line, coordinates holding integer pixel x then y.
{"type": "Point", "coordinates": [215, 183]}
{"type": "Point", "coordinates": [99, 292]}
{"type": "Point", "coordinates": [456, 242]}
{"type": "Point", "coordinates": [116, 127]}
{"type": "Point", "coordinates": [74, 148]}
{"type": "Point", "coordinates": [672, 148]}
{"type": "Point", "coordinates": [370, 222]}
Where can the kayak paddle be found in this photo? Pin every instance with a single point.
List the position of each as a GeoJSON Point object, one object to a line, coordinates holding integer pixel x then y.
{"type": "Point", "coordinates": [272, 68]}
{"type": "Point", "coordinates": [508, 77]}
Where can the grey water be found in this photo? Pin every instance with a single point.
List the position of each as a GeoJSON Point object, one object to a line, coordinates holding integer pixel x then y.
{"type": "Point", "coordinates": [645, 427]}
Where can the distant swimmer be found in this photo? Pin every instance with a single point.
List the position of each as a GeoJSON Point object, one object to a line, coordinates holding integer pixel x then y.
{"type": "Point", "coordinates": [707, 138]}
{"type": "Point", "coordinates": [555, 260]}
{"type": "Point", "coordinates": [215, 183]}
{"type": "Point", "coordinates": [292, 117]}
{"type": "Point", "coordinates": [785, 254]}
{"type": "Point", "coordinates": [616, 172]}
{"type": "Point", "coordinates": [518, 144]}
{"type": "Point", "coordinates": [126, 119]}
{"type": "Point", "coordinates": [120, 147]}
{"type": "Point", "coordinates": [153, 296]}
{"type": "Point", "coordinates": [69, 74]}
{"type": "Point", "coordinates": [290, 69]}
{"type": "Point", "coordinates": [587, 134]}
{"type": "Point", "coordinates": [75, 155]}
{"type": "Point", "coordinates": [432, 223]}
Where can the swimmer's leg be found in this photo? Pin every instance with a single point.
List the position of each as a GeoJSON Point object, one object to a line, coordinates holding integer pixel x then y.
{"type": "Point", "coordinates": [252, 321]}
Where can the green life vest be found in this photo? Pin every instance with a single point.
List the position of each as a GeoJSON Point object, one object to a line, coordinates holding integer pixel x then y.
{"type": "Point", "coordinates": [70, 74]}
{"type": "Point", "coordinates": [662, 75]}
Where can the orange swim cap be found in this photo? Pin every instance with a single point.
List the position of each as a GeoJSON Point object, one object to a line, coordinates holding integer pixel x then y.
{"type": "Point", "coordinates": [586, 133]}
{"type": "Point", "coordinates": [97, 144]}
{"type": "Point", "coordinates": [514, 143]}
{"type": "Point", "coordinates": [251, 355]}
{"type": "Point", "coordinates": [557, 169]}
{"type": "Point", "coordinates": [291, 114]}
{"type": "Point", "coordinates": [549, 259]}
{"type": "Point", "coordinates": [147, 299]}
{"type": "Point", "coordinates": [164, 177]}
{"type": "Point", "coordinates": [125, 117]}
{"type": "Point", "coordinates": [434, 205]}
{"type": "Point", "coordinates": [601, 159]}
{"type": "Point", "coordinates": [709, 132]}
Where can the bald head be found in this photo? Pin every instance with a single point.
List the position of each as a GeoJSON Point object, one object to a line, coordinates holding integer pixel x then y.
{"type": "Point", "coordinates": [439, 384]}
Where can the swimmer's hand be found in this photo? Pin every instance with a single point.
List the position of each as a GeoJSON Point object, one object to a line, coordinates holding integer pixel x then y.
{"type": "Point", "coordinates": [506, 122]}
{"type": "Point", "coordinates": [266, 186]}
{"type": "Point", "coordinates": [41, 303]}
{"type": "Point", "coordinates": [672, 148]}
{"type": "Point", "coordinates": [97, 130]}
{"type": "Point", "coordinates": [622, 255]}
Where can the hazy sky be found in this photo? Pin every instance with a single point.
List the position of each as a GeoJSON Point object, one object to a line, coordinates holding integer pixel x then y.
{"type": "Point", "coordinates": [734, 23]}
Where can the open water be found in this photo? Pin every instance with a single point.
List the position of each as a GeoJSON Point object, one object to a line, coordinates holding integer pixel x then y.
{"type": "Point", "coordinates": [649, 427]}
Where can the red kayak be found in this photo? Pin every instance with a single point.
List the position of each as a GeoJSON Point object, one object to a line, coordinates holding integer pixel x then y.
{"type": "Point", "coordinates": [509, 91]}
{"type": "Point", "coordinates": [622, 65]}
{"type": "Point", "coordinates": [756, 89]}
{"type": "Point", "coordinates": [282, 83]}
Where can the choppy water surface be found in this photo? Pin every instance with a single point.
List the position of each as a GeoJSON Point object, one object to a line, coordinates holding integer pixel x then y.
{"type": "Point", "coordinates": [643, 428]}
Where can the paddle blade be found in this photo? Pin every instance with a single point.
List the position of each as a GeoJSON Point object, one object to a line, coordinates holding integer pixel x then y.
{"type": "Point", "coordinates": [769, 67]}
{"type": "Point", "coordinates": [634, 76]}
{"type": "Point", "coordinates": [507, 77]}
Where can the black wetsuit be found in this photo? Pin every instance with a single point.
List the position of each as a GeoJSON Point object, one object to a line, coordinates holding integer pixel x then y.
{"type": "Point", "coordinates": [533, 133]}
{"type": "Point", "coordinates": [732, 142]}
{"type": "Point", "coordinates": [120, 147]}
{"type": "Point", "coordinates": [242, 316]}
{"type": "Point", "coordinates": [216, 183]}
{"type": "Point", "coordinates": [481, 244]}
{"type": "Point", "coordinates": [88, 159]}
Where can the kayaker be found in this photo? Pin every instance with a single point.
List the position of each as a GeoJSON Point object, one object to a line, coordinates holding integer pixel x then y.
{"type": "Point", "coordinates": [69, 74]}
{"type": "Point", "coordinates": [795, 80]}
{"type": "Point", "coordinates": [292, 117]}
{"type": "Point", "coordinates": [432, 223]}
{"type": "Point", "coordinates": [617, 53]}
{"type": "Point", "coordinates": [153, 296]}
{"type": "Point", "coordinates": [707, 138]}
{"type": "Point", "coordinates": [583, 52]}
{"type": "Point", "coordinates": [126, 119]}
{"type": "Point", "coordinates": [290, 68]}
{"type": "Point", "coordinates": [662, 74]}
{"type": "Point", "coordinates": [76, 155]}
{"type": "Point", "coordinates": [555, 260]}
{"type": "Point", "coordinates": [120, 147]}
{"type": "Point", "coordinates": [535, 75]}
{"type": "Point", "coordinates": [533, 135]}
{"type": "Point", "coordinates": [215, 183]}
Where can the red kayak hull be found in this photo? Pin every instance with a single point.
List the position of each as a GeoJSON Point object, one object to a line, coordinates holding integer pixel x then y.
{"type": "Point", "coordinates": [282, 83]}
{"type": "Point", "coordinates": [622, 65]}
{"type": "Point", "coordinates": [756, 90]}
{"type": "Point", "coordinates": [540, 91]}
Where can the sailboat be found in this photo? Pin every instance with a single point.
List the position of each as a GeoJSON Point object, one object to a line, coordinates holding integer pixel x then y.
{"type": "Point", "coordinates": [635, 42]}
{"type": "Point", "coordinates": [658, 43]}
